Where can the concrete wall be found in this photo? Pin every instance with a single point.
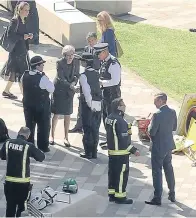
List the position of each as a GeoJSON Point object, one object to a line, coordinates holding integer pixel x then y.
{"type": "Point", "coordinates": [66, 25]}
{"type": "Point", "coordinates": [117, 7]}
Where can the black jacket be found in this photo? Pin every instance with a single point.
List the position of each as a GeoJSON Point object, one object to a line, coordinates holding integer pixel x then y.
{"type": "Point", "coordinates": [17, 152]}
{"type": "Point", "coordinates": [118, 138]}
{"type": "Point", "coordinates": [163, 123]}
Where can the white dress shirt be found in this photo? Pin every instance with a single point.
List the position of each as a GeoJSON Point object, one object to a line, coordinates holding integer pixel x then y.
{"type": "Point", "coordinates": [94, 105]}
{"type": "Point", "coordinates": [45, 83]}
{"type": "Point", "coordinates": [115, 71]}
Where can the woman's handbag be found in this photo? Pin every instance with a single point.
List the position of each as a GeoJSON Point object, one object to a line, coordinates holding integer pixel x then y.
{"type": "Point", "coordinates": [119, 50]}
{"type": "Point", "coordinates": [6, 42]}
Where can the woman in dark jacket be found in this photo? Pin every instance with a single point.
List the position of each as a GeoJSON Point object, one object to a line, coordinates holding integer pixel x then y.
{"type": "Point", "coordinates": [18, 60]}
{"type": "Point", "coordinates": [32, 20]}
{"type": "Point", "coordinates": [107, 31]}
{"type": "Point", "coordinates": [62, 99]}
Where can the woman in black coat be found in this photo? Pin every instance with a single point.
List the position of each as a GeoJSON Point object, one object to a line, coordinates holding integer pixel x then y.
{"type": "Point", "coordinates": [32, 20]}
{"type": "Point", "coordinates": [62, 99]}
{"type": "Point", "coordinates": [18, 60]}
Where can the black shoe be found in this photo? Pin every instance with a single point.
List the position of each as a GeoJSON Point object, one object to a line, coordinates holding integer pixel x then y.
{"type": "Point", "coordinates": [103, 145]}
{"type": "Point", "coordinates": [45, 150]}
{"type": "Point", "coordinates": [52, 143]}
{"type": "Point", "coordinates": [76, 130]}
{"type": "Point", "coordinates": [124, 201]}
{"type": "Point", "coordinates": [172, 198]}
{"type": "Point", "coordinates": [9, 95]}
{"type": "Point", "coordinates": [67, 143]}
{"type": "Point", "coordinates": [84, 155]}
{"type": "Point", "coordinates": [153, 202]}
{"type": "Point", "coordinates": [112, 199]}
{"type": "Point", "coordinates": [94, 156]}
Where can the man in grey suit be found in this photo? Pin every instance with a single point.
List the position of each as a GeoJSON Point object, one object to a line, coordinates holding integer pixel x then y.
{"type": "Point", "coordinates": [161, 128]}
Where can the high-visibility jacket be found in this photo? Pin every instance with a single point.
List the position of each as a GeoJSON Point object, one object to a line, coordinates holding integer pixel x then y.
{"type": "Point", "coordinates": [17, 153]}
{"type": "Point", "coordinates": [118, 135]}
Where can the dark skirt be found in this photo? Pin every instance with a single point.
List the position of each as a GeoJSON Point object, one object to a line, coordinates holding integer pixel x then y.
{"type": "Point", "coordinates": [62, 104]}
{"type": "Point", "coordinates": [15, 67]}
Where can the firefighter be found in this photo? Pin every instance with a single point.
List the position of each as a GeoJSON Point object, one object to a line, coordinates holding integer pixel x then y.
{"type": "Point", "coordinates": [110, 79]}
{"type": "Point", "coordinates": [91, 97]}
{"type": "Point", "coordinates": [17, 181]}
{"type": "Point", "coordinates": [119, 149]}
{"type": "Point", "coordinates": [36, 102]}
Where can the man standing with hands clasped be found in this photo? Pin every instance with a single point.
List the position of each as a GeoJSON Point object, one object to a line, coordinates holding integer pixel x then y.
{"type": "Point", "coordinates": [163, 123]}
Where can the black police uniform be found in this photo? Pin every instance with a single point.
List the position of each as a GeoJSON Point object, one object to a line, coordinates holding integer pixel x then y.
{"type": "Point", "coordinates": [119, 148]}
{"type": "Point", "coordinates": [91, 98]}
{"type": "Point", "coordinates": [96, 66]}
{"type": "Point", "coordinates": [36, 103]}
{"type": "Point", "coordinates": [17, 152]}
{"type": "Point", "coordinates": [111, 90]}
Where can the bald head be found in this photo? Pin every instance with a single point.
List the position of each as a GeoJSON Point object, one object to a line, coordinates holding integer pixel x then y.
{"type": "Point", "coordinates": [24, 131]}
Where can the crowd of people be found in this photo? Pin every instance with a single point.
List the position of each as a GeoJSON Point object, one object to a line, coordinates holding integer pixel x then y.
{"type": "Point", "coordinates": [100, 97]}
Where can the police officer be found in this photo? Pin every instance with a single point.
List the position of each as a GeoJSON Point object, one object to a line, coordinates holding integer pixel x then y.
{"type": "Point", "coordinates": [110, 79]}
{"type": "Point", "coordinates": [36, 101]}
{"type": "Point", "coordinates": [17, 181]}
{"type": "Point", "coordinates": [91, 97]}
{"type": "Point", "coordinates": [119, 149]}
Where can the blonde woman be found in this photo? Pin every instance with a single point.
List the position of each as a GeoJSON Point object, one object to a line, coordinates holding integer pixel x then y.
{"type": "Point", "coordinates": [62, 99]}
{"type": "Point", "coordinates": [18, 60]}
{"type": "Point", "coordinates": [106, 28]}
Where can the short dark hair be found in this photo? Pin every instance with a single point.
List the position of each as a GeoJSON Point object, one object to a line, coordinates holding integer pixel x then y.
{"type": "Point", "coordinates": [116, 103]}
{"type": "Point", "coordinates": [24, 131]}
{"type": "Point", "coordinates": [161, 96]}
{"type": "Point", "coordinates": [91, 35]}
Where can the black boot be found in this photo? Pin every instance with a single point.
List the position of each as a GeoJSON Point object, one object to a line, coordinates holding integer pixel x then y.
{"type": "Point", "coordinates": [84, 155]}
{"type": "Point", "coordinates": [154, 201]}
{"type": "Point", "coordinates": [123, 201]}
{"type": "Point", "coordinates": [76, 130]}
{"type": "Point", "coordinates": [171, 197]}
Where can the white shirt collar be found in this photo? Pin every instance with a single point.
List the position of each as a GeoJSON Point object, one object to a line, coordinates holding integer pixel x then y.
{"type": "Point", "coordinates": [108, 57]}
{"type": "Point", "coordinates": [162, 106]}
{"type": "Point", "coordinates": [33, 72]}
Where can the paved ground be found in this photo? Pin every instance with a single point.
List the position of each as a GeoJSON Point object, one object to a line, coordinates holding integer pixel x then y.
{"type": "Point", "coordinates": [63, 163]}
{"type": "Point", "coordinates": [177, 14]}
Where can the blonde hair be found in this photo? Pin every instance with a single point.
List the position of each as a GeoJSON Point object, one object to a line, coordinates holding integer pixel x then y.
{"type": "Point", "coordinates": [106, 21]}
{"type": "Point", "coordinates": [68, 49]}
{"type": "Point", "coordinates": [19, 8]}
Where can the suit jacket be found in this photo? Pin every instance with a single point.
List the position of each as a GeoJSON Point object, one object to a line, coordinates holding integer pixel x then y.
{"type": "Point", "coordinates": [66, 74]}
{"type": "Point", "coordinates": [161, 128]}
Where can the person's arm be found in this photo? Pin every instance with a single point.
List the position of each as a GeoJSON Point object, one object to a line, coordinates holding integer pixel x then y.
{"type": "Point", "coordinates": [35, 153]}
{"type": "Point", "coordinates": [175, 121]}
{"type": "Point", "coordinates": [123, 136]}
{"type": "Point", "coordinates": [45, 83]}
{"type": "Point", "coordinates": [86, 89]}
{"type": "Point", "coordinates": [109, 37]}
{"type": "Point", "coordinates": [115, 71]}
{"type": "Point", "coordinates": [60, 74]}
{"type": "Point", "coordinates": [3, 151]}
{"type": "Point", "coordinates": [153, 126]}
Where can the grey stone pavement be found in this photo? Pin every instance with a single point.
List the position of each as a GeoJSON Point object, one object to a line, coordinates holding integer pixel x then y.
{"type": "Point", "coordinates": [62, 163]}
{"type": "Point", "coordinates": [175, 14]}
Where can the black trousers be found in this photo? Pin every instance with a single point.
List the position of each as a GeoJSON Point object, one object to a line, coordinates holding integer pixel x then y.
{"type": "Point", "coordinates": [16, 195]}
{"type": "Point", "coordinates": [41, 118]}
{"type": "Point", "coordinates": [91, 123]}
{"type": "Point", "coordinates": [118, 173]}
{"type": "Point", "coordinates": [157, 164]}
